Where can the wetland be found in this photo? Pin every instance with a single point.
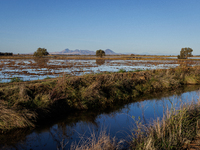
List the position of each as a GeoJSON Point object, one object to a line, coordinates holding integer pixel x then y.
{"type": "Point", "coordinates": [28, 69]}
{"type": "Point", "coordinates": [58, 102]}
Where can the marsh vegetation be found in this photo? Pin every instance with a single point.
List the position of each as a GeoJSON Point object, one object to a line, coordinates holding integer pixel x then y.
{"type": "Point", "coordinates": [30, 104]}
{"type": "Point", "coordinates": [41, 68]}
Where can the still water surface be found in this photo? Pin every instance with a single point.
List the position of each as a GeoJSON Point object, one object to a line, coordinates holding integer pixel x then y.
{"type": "Point", "coordinates": [34, 69]}
{"type": "Point", "coordinates": [118, 122]}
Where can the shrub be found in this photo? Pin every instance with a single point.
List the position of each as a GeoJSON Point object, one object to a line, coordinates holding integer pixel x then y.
{"type": "Point", "coordinates": [40, 52]}
{"type": "Point", "coordinates": [100, 53]}
{"type": "Point", "coordinates": [185, 53]}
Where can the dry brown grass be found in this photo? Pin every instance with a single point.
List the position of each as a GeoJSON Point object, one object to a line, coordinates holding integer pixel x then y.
{"type": "Point", "coordinates": [19, 66]}
{"type": "Point", "coordinates": [89, 57]}
{"type": "Point", "coordinates": [11, 119]}
{"type": "Point", "coordinates": [171, 132]}
{"type": "Point", "coordinates": [102, 141]}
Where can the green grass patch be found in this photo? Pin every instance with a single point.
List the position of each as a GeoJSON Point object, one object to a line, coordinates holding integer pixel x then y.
{"type": "Point", "coordinates": [16, 79]}
{"type": "Point", "coordinates": [121, 71]}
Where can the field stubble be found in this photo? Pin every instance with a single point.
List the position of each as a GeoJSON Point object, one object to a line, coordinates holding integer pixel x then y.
{"type": "Point", "coordinates": [40, 68]}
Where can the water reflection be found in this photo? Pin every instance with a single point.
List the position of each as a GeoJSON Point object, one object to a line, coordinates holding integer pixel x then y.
{"type": "Point", "coordinates": [100, 62]}
{"type": "Point", "coordinates": [41, 63]}
{"type": "Point", "coordinates": [33, 69]}
{"type": "Point", "coordinates": [117, 120]}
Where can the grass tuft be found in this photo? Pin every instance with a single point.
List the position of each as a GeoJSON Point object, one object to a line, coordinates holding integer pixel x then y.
{"type": "Point", "coordinates": [15, 79]}
{"type": "Point", "coordinates": [102, 141]}
{"type": "Point", "coordinates": [121, 71]}
{"type": "Point", "coordinates": [173, 131]}
{"type": "Point", "coordinates": [11, 119]}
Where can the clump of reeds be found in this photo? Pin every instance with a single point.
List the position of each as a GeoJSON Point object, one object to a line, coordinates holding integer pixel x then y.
{"type": "Point", "coordinates": [174, 131]}
{"type": "Point", "coordinates": [102, 141]}
{"type": "Point", "coordinates": [11, 119]}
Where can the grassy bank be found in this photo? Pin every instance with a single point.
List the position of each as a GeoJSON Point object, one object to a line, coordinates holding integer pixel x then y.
{"type": "Point", "coordinates": [26, 104]}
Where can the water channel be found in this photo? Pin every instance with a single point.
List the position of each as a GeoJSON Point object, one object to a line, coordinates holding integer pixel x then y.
{"type": "Point", "coordinates": [118, 122]}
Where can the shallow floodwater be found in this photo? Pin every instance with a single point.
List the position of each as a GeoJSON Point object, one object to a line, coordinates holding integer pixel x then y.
{"type": "Point", "coordinates": [118, 122]}
{"type": "Point", "coordinates": [34, 69]}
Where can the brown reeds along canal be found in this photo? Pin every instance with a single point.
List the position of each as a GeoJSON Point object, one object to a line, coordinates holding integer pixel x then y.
{"type": "Point", "coordinates": [118, 121]}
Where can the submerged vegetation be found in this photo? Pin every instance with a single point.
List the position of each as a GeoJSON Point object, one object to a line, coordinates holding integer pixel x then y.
{"type": "Point", "coordinates": [16, 79]}
{"type": "Point", "coordinates": [41, 67]}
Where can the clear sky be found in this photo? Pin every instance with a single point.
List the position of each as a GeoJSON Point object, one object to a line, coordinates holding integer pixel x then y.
{"type": "Point", "coordinates": [132, 26]}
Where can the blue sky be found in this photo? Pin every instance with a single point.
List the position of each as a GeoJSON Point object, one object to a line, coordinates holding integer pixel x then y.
{"type": "Point", "coordinates": [132, 26]}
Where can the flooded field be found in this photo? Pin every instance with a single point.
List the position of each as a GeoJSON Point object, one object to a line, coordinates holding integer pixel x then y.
{"type": "Point", "coordinates": [117, 122]}
{"type": "Point", "coordinates": [71, 127]}
{"type": "Point", "coordinates": [34, 69]}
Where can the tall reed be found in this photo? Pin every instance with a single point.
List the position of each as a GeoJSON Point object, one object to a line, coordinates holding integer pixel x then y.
{"type": "Point", "coordinates": [174, 131]}
{"type": "Point", "coordinates": [101, 141]}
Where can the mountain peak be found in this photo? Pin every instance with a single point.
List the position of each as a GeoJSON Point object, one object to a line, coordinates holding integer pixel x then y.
{"type": "Point", "coordinates": [65, 51]}
{"type": "Point", "coordinates": [109, 52]}
{"type": "Point", "coordinates": [83, 52]}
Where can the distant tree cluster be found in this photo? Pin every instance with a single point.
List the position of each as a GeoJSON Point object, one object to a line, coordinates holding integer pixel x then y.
{"type": "Point", "coordinates": [100, 53]}
{"type": "Point", "coordinates": [6, 54]}
{"type": "Point", "coordinates": [185, 53]}
{"type": "Point", "coordinates": [40, 52]}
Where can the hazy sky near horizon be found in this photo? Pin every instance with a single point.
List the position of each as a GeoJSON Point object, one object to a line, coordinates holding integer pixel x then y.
{"type": "Point", "coordinates": [131, 26]}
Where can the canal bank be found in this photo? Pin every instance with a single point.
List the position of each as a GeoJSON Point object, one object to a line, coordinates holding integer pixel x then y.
{"type": "Point", "coordinates": [26, 104]}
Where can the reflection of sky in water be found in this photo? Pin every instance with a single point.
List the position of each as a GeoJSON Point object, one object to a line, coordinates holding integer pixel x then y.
{"type": "Point", "coordinates": [118, 124]}
{"type": "Point", "coordinates": [73, 67]}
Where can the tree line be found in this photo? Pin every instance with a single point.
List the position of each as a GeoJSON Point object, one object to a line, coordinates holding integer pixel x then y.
{"type": "Point", "coordinates": [43, 52]}
{"type": "Point", "coordinates": [6, 54]}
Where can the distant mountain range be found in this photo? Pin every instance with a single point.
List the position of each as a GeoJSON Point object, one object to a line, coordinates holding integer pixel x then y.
{"type": "Point", "coordinates": [83, 52]}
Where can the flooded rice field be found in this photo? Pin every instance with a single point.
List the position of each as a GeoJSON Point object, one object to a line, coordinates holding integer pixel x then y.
{"type": "Point", "coordinates": [118, 122]}
{"type": "Point", "coordinates": [73, 127]}
{"type": "Point", "coordinates": [34, 69]}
